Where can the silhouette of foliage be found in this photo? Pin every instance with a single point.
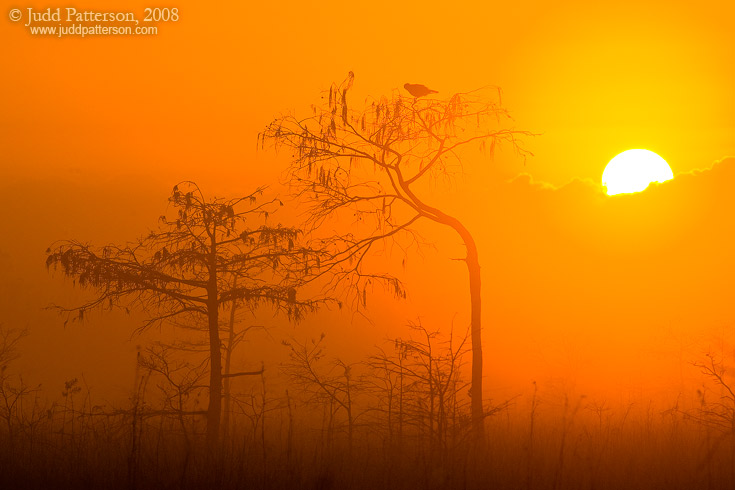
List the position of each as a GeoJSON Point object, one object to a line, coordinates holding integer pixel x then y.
{"type": "Point", "coordinates": [200, 260]}
{"type": "Point", "coordinates": [372, 161]}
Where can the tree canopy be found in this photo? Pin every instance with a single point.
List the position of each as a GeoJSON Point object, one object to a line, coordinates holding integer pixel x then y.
{"type": "Point", "coordinates": [211, 253]}
{"type": "Point", "coordinates": [370, 161]}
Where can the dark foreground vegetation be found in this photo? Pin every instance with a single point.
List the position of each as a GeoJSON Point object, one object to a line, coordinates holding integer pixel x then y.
{"type": "Point", "coordinates": [400, 419]}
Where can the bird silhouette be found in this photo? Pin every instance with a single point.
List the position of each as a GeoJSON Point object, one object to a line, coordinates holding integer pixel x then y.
{"type": "Point", "coordinates": [418, 90]}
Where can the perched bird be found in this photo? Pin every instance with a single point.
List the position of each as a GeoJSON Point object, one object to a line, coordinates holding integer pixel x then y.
{"type": "Point", "coordinates": [418, 90]}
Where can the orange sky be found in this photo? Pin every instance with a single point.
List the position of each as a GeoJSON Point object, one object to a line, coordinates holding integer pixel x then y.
{"type": "Point", "coordinates": [594, 78]}
{"type": "Point", "coordinates": [95, 131]}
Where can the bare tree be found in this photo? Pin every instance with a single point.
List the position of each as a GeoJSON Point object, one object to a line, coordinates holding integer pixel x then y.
{"type": "Point", "coordinates": [421, 382]}
{"type": "Point", "coordinates": [178, 381]}
{"type": "Point", "coordinates": [198, 262]}
{"type": "Point", "coordinates": [373, 161]}
{"type": "Point", "coordinates": [718, 414]}
{"type": "Point", "coordinates": [330, 383]}
{"type": "Point", "coordinates": [12, 391]}
{"type": "Point", "coordinates": [234, 338]}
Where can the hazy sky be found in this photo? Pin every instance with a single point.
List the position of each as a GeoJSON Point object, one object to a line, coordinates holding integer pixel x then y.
{"type": "Point", "coordinates": [95, 131]}
{"type": "Point", "coordinates": [594, 78]}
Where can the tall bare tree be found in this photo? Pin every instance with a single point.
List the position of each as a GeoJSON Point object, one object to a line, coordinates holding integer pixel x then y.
{"type": "Point", "coordinates": [374, 161]}
{"type": "Point", "coordinates": [200, 261]}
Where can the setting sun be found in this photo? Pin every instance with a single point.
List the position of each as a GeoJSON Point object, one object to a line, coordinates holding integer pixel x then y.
{"type": "Point", "coordinates": [284, 245]}
{"type": "Point", "coordinates": [632, 171]}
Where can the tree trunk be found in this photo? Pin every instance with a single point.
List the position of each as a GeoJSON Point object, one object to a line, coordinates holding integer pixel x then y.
{"type": "Point", "coordinates": [228, 361]}
{"type": "Point", "coordinates": [214, 411]}
{"type": "Point", "coordinates": [473, 267]}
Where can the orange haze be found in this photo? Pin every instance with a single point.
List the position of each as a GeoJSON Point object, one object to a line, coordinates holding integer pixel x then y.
{"type": "Point", "coordinates": [609, 296]}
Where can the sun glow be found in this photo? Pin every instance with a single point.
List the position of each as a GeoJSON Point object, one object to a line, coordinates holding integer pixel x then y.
{"type": "Point", "coordinates": [633, 170]}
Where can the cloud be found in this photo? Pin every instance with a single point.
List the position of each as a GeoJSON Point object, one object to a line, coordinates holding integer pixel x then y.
{"type": "Point", "coordinates": [614, 283]}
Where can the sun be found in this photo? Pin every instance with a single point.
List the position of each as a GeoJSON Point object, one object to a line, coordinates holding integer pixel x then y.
{"type": "Point", "coordinates": [633, 170]}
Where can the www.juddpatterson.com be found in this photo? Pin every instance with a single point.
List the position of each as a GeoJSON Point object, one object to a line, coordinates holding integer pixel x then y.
{"type": "Point", "coordinates": [75, 22]}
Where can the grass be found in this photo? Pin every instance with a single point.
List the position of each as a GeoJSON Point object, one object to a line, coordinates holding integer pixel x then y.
{"type": "Point", "coordinates": [578, 445]}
